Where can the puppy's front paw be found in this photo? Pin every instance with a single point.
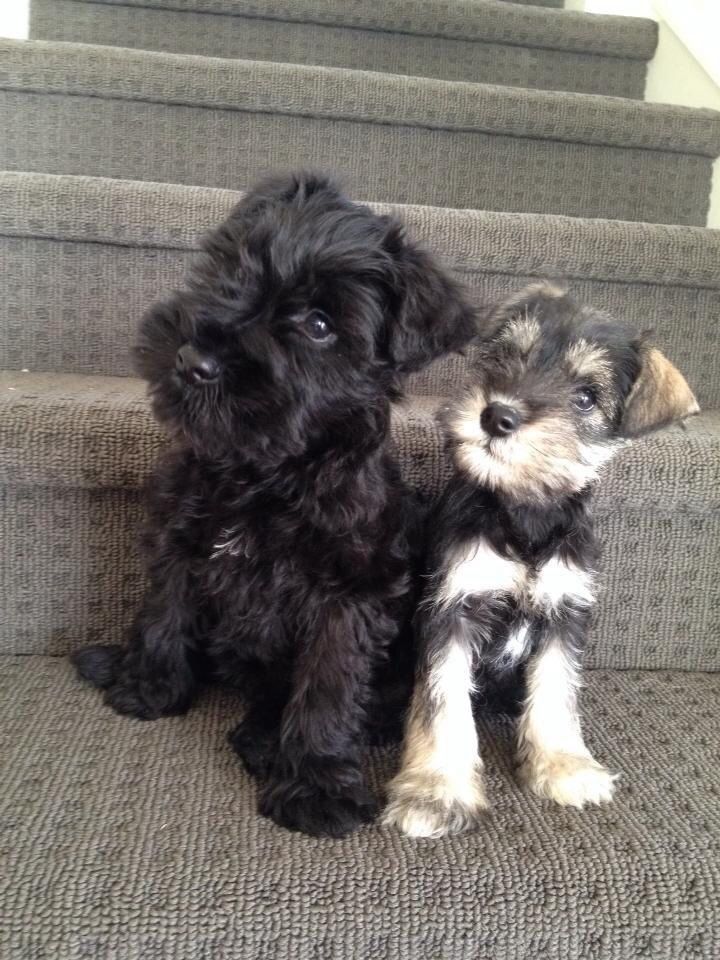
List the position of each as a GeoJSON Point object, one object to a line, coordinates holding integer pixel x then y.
{"type": "Point", "coordinates": [99, 664]}
{"type": "Point", "coordinates": [256, 746]}
{"type": "Point", "coordinates": [132, 698]}
{"type": "Point", "coordinates": [320, 811]}
{"type": "Point", "coordinates": [567, 779]}
{"type": "Point", "coordinates": [431, 810]}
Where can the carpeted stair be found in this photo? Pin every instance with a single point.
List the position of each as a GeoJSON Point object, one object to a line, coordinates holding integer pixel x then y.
{"type": "Point", "coordinates": [471, 40]}
{"type": "Point", "coordinates": [108, 111]}
{"type": "Point", "coordinates": [141, 842]}
{"type": "Point", "coordinates": [135, 841]}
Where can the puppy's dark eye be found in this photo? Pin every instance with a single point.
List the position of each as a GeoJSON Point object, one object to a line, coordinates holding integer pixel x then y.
{"type": "Point", "coordinates": [584, 399]}
{"type": "Point", "coordinates": [317, 326]}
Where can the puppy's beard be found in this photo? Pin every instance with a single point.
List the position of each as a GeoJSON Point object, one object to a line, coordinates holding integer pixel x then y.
{"type": "Point", "coordinates": [201, 418]}
{"type": "Point", "coordinates": [542, 459]}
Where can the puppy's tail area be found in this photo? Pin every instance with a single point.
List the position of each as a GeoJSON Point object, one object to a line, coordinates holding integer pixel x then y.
{"type": "Point", "coordinates": [98, 664]}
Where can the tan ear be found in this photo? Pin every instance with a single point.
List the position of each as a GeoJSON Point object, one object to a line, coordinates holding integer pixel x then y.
{"type": "Point", "coordinates": [660, 396]}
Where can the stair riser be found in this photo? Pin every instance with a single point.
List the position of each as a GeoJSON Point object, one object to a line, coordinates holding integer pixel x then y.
{"type": "Point", "coordinates": [132, 140]}
{"type": "Point", "coordinates": [85, 582]}
{"type": "Point", "coordinates": [251, 38]}
{"type": "Point", "coordinates": [109, 286]}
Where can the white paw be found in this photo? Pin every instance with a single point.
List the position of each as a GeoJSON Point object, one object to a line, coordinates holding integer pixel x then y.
{"type": "Point", "coordinates": [419, 811]}
{"type": "Point", "coordinates": [569, 780]}
{"type": "Point", "coordinates": [430, 818]}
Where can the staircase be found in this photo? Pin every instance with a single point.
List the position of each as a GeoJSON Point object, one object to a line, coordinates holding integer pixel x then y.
{"type": "Point", "coordinates": [512, 138]}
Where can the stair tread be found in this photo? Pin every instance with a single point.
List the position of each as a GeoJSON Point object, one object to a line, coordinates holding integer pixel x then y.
{"type": "Point", "coordinates": [509, 23]}
{"type": "Point", "coordinates": [71, 430]}
{"type": "Point", "coordinates": [106, 248]}
{"type": "Point", "coordinates": [356, 95]}
{"type": "Point", "coordinates": [94, 110]}
{"type": "Point", "coordinates": [481, 42]}
{"type": "Point", "coordinates": [173, 216]}
{"type": "Point", "coordinates": [153, 827]}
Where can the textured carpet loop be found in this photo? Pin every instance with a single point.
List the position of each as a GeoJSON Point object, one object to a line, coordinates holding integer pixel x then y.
{"type": "Point", "coordinates": [61, 233]}
{"type": "Point", "coordinates": [99, 864]}
{"type": "Point", "coordinates": [565, 55]}
{"type": "Point", "coordinates": [97, 71]}
{"type": "Point", "coordinates": [174, 216]}
{"type": "Point", "coordinates": [105, 111]}
{"type": "Point", "coordinates": [461, 19]}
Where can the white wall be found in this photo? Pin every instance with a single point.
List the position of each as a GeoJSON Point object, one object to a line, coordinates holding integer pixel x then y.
{"type": "Point", "coordinates": [14, 18]}
{"type": "Point", "coordinates": [627, 8]}
{"type": "Point", "coordinates": [696, 23]}
{"type": "Point", "coordinates": [674, 76]}
{"type": "Point", "coordinates": [686, 67]}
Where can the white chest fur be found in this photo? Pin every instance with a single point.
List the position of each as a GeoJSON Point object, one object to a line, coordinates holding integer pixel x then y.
{"type": "Point", "coordinates": [557, 582]}
{"type": "Point", "coordinates": [478, 570]}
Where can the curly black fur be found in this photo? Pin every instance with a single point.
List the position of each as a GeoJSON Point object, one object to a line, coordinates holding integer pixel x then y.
{"type": "Point", "coordinates": [278, 533]}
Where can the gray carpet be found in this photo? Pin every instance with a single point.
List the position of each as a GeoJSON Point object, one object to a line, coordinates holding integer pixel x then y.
{"type": "Point", "coordinates": [483, 42]}
{"type": "Point", "coordinates": [125, 841]}
{"type": "Point", "coordinates": [103, 249]}
{"type": "Point", "coordinates": [132, 841]}
{"type": "Point", "coordinates": [75, 450]}
{"type": "Point", "coordinates": [105, 111]}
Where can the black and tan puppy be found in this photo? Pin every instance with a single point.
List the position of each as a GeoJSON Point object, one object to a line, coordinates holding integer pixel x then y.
{"type": "Point", "coordinates": [555, 392]}
{"type": "Point", "coordinates": [277, 539]}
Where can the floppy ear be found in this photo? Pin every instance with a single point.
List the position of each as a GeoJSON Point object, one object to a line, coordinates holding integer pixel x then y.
{"type": "Point", "coordinates": [660, 396]}
{"type": "Point", "coordinates": [429, 312]}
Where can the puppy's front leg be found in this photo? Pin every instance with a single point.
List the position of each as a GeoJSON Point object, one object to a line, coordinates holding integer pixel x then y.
{"type": "Point", "coordinates": [555, 763]}
{"type": "Point", "coordinates": [316, 785]}
{"type": "Point", "coordinates": [439, 788]}
{"type": "Point", "coordinates": [153, 677]}
{"type": "Point", "coordinates": [256, 739]}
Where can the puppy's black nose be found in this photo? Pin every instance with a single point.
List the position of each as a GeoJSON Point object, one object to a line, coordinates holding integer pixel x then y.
{"type": "Point", "coordinates": [196, 367]}
{"type": "Point", "coordinates": [499, 420]}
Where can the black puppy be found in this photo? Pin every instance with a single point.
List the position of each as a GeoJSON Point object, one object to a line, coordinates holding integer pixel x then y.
{"type": "Point", "coordinates": [556, 390]}
{"type": "Point", "coordinates": [277, 540]}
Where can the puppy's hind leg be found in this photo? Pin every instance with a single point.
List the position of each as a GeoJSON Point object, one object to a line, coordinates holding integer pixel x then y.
{"type": "Point", "coordinates": [156, 677]}
{"type": "Point", "coordinates": [439, 788]}
{"type": "Point", "coordinates": [316, 785]}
